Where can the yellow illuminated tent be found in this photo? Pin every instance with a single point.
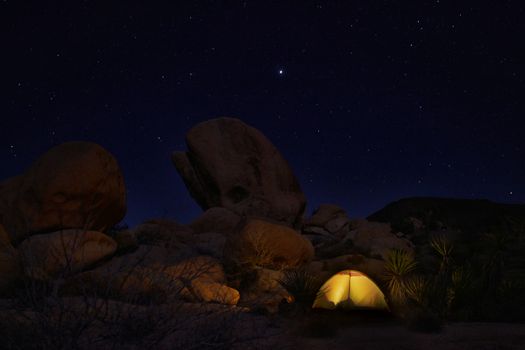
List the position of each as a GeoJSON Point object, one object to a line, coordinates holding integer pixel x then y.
{"type": "Point", "coordinates": [350, 289]}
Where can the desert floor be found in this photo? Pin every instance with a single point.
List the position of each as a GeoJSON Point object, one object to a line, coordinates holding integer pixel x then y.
{"type": "Point", "coordinates": [383, 333]}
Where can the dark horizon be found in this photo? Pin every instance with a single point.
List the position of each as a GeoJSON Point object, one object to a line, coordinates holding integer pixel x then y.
{"type": "Point", "coordinates": [369, 103]}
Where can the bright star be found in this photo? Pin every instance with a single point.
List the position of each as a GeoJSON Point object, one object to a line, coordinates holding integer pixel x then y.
{"type": "Point", "coordinates": [281, 72]}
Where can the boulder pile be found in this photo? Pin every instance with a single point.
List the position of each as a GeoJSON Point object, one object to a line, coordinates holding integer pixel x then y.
{"type": "Point", "coordinates": [57, 227]}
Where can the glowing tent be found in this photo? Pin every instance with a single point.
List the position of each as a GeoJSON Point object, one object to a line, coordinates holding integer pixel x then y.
{"type": "Point", "coordinates": [350, 289]}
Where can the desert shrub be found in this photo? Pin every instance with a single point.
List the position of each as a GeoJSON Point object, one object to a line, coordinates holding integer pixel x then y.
{"type": "Point", "coordinates": [444, 248]}
{"type": "Point", "coordinates": [511, 301]}
{"type": "Point", "coordinates": [301, 284]}
{"type": "Point", "coordinates": [399, 266]}
{"type": "Point", "coordinates": [416, 289]}
{"type": "Point", "coordinates": [108, 313]}
{"type": "Point", "coordinates": [463, 279]}
{"type": "Point", "coordinates": [460, 290]}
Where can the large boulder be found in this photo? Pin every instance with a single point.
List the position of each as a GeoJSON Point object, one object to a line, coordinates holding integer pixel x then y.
{"type": "Point", "coordinates": [266, 244]}
{"type": "Point", "coordinates": [73, 185]}
{"type": "Point", "coordinates": [64, 252]}
{"type": "Point", "coordinates": [232, 165]}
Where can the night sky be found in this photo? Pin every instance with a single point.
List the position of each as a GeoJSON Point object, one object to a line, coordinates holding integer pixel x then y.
{"type": "Point", "coordinates": [369, 101]}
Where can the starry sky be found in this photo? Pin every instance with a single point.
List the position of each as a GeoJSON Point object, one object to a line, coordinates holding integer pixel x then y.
{"type": "Point", "coordinates": [369, 101]}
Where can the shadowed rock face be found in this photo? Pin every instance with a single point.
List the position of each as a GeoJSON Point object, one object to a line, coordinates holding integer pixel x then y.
{"type": "Point", "coordinates": [232, 165]}
{"type": "Point", "coordinates": [9, 263]}
{"type": "Point", "coordinates": [69, 251]}
{"type": "Point", "coordinates": [73, 185]}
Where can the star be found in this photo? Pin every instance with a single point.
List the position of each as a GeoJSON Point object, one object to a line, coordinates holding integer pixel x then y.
{"type": "Point", "coordinates": [12, 150]}
{"type": "Point", "coordinates": [281, 71]}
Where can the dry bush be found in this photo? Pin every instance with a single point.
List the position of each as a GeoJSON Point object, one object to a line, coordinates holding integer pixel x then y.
{"type": "Point", "coordinates": [123, 310]}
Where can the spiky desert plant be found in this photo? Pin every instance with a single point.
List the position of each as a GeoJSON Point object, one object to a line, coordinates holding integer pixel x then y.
{"type": "Point", "coordinates": [444, 247]}
{"type": "Point", "coordinates": [496, 247]}
{"type": "Point", "coordinates": [459, 287]}
{"type": "Point", "coordinates": [399, 265]}
{"type": "Point", "coordinates": [301, 284]}
{"type": "Point", "coordinates": [416, 288]}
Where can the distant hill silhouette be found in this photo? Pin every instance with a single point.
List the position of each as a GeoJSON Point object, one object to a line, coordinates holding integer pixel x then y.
{"type": "Point", "coordinates": [469, 215]}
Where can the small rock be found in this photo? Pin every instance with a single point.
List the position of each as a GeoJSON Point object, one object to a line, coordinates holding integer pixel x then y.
{"type": "Point", "coordinates": [318, 231]}
{"type": "Point", "coordinates": [126, 241]}
{"type": "Point", "coordinates": [375, 239]}
{"type": "Point", "coordinates": [161, 232]}
{"type": "Point", "coordinates": [335, 225]}
{"type": "Point", "coordinates": [216, 219]}
{"type": "Point", "coordinates": [317, 240]}
{"type": "Point", "coordinates": [215, 292]}
{"type": "Point", "coordinates": [210, 243]}
{"type": "Point", "coordinates": [324, 214]}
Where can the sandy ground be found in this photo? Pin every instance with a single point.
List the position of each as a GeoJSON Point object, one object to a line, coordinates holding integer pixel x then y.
{"type": "Point", "coordinates": [458, 336]}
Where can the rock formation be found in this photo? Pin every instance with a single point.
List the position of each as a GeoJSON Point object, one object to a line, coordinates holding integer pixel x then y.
{"type": "Point", "coordinates": [73, 185]}
{"type": "Point", "coordinates": [232, 165]}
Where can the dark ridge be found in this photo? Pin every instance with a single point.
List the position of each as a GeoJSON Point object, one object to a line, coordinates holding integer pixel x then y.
{"type": "Point", "coordinates": [468, 215]}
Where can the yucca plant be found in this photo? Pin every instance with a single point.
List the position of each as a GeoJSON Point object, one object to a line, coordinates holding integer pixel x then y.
{"type": "Point", "coordinates": [301, 284]}
{"type": "Point", "coordinates": [416, 288]}
{"type": "Point", "coordinates": [399, 265]}
{"type": "Point", "coordinates": [496, 246]}
{"type": "Point", "coordinates": [444, 247]}
{"type": "Point", "coordinates": [460, 284]}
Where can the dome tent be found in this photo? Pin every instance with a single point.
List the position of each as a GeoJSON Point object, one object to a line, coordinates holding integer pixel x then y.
{"type": "Point", "coordinates": [350, 289]}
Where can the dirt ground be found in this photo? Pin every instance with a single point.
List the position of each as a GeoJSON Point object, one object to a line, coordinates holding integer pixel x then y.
{"type": "Point", "coordinates": [460, 336]}
{"type": "Point", "coordinates": [381, 333]}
